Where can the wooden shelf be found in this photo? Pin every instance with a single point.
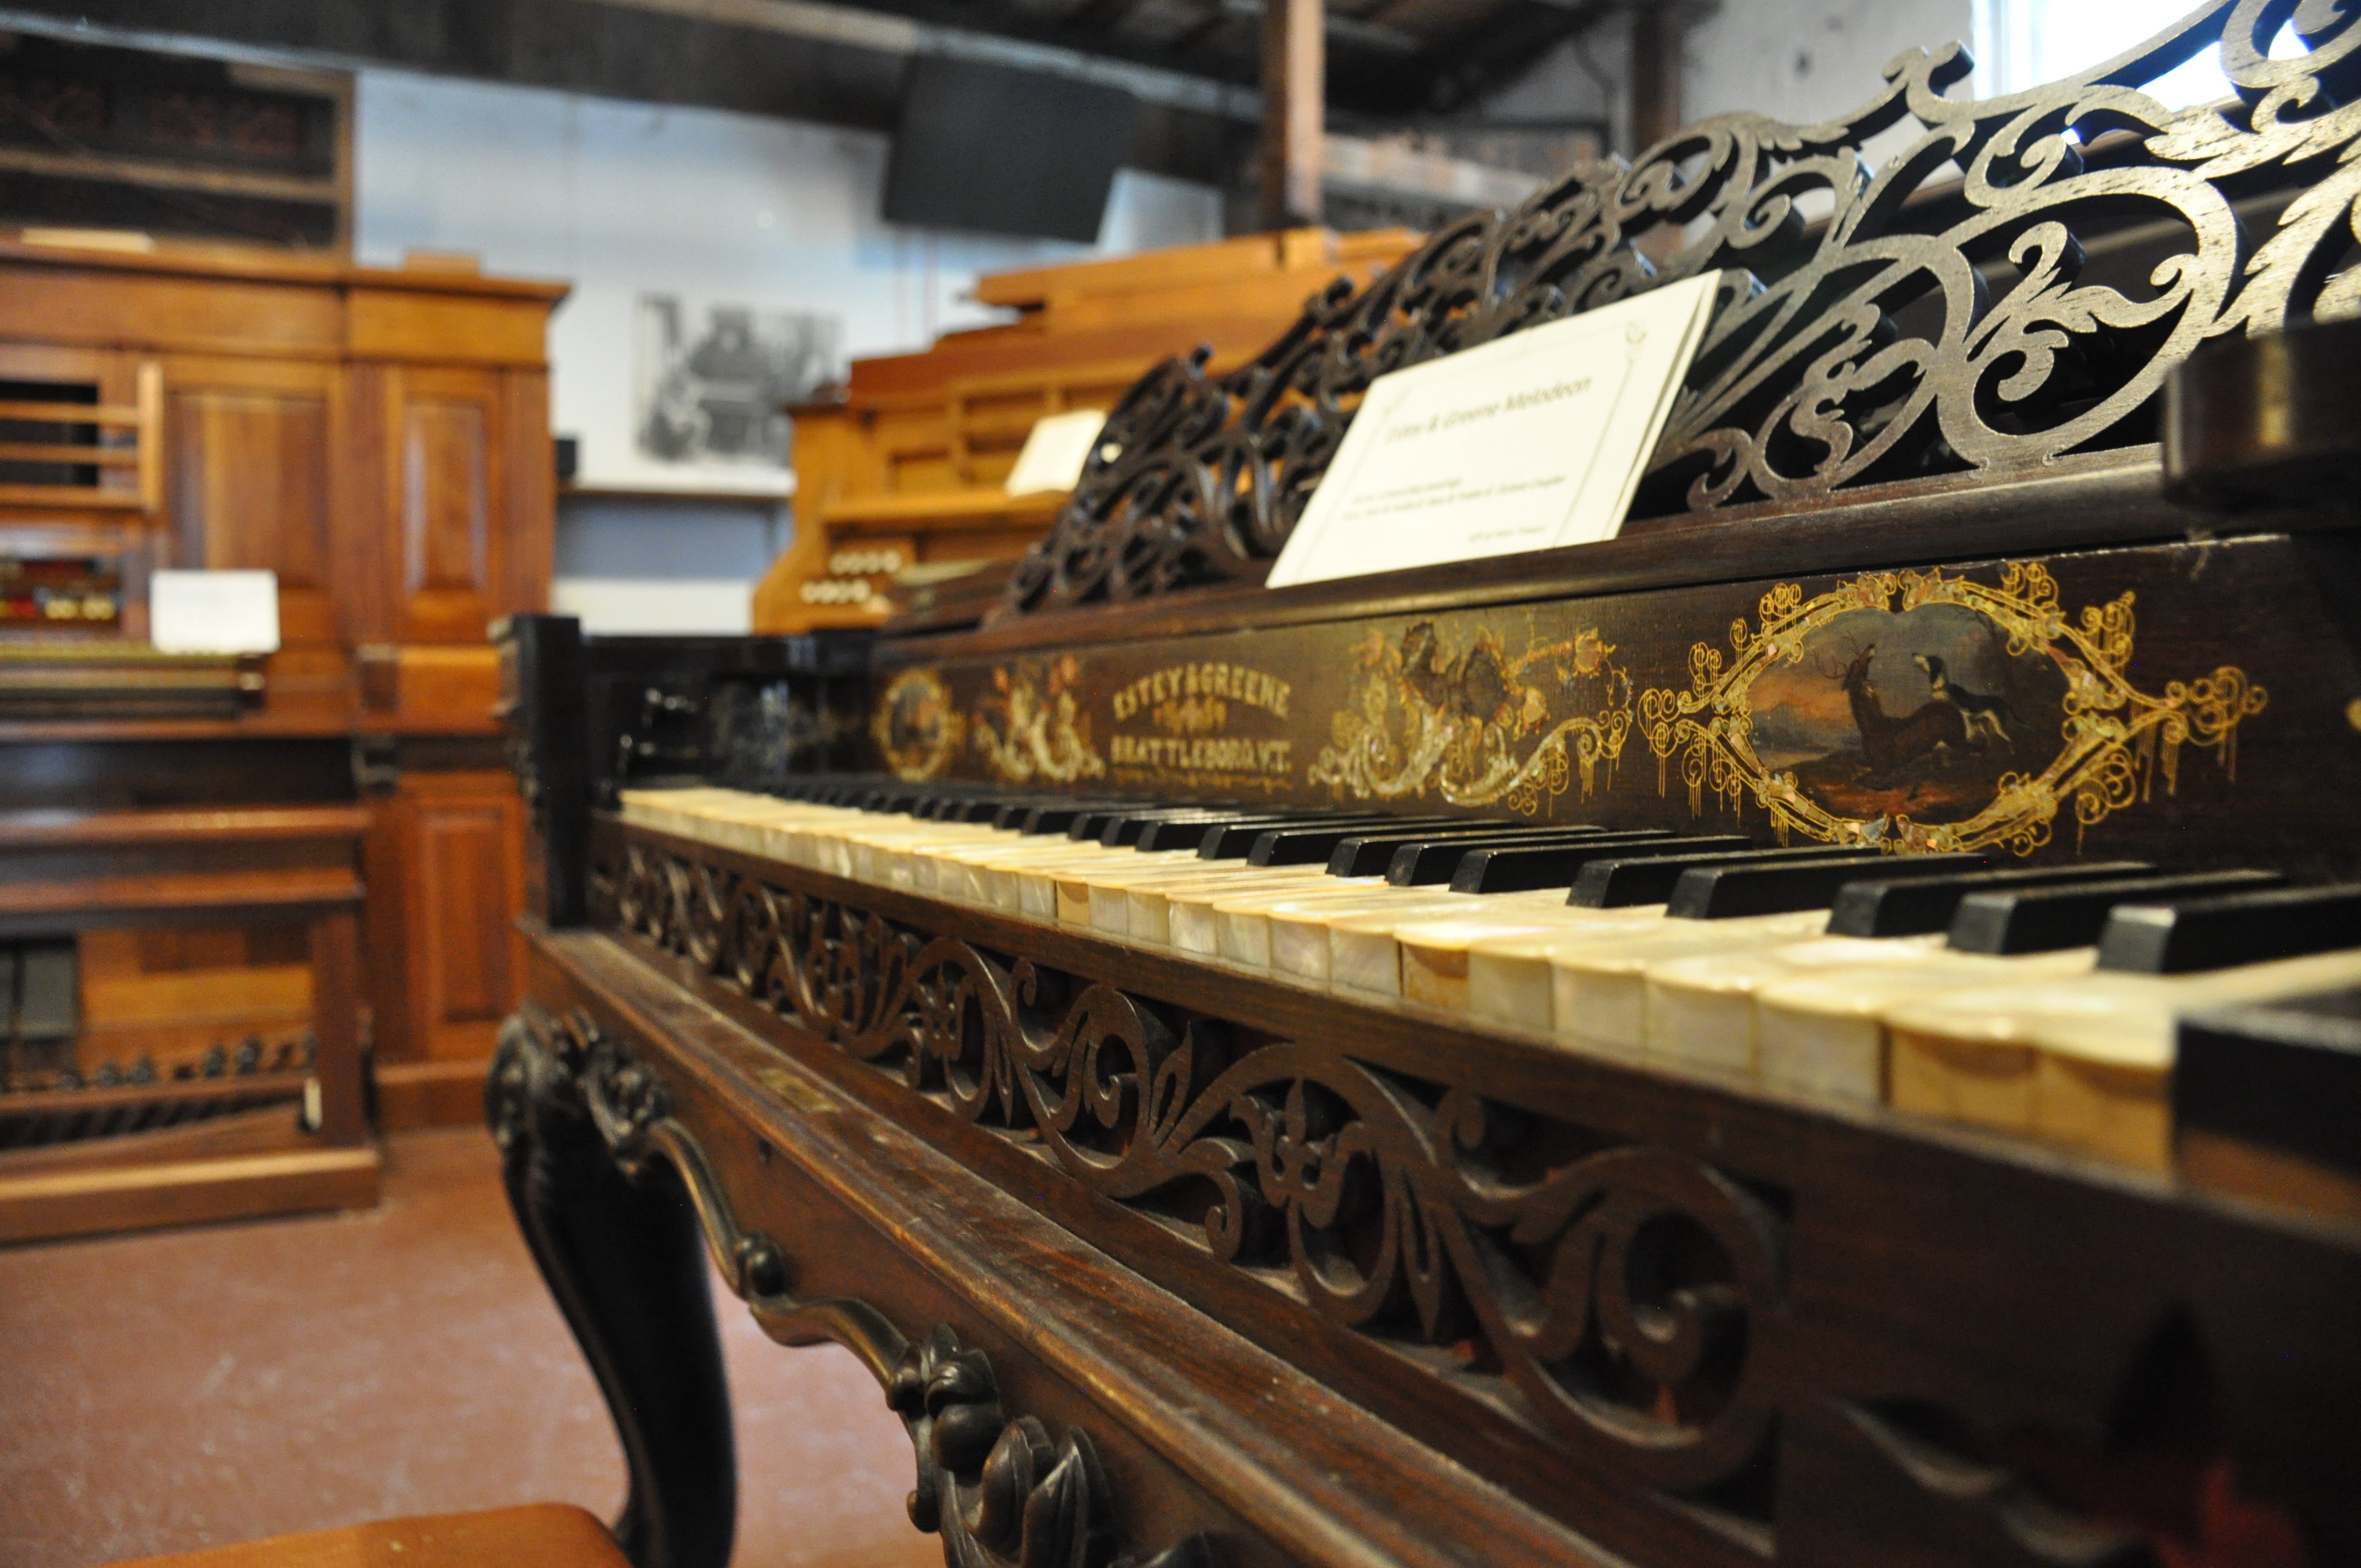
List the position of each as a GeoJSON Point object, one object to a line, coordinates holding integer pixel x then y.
{"type": "Point", "coordinates": [942, 511]}
{"type": "Point", "coordinates": [707, 497]}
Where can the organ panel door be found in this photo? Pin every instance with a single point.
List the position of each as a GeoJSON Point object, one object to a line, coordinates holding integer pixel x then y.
{"type": "Point", "coordinates": [251, 480]}
{"type": "Point", "coordinates": [256, 479]}
{"type": "Point", "coordinates": [448, 462]}
{"type": "Point", "coordinates": [454, 842]}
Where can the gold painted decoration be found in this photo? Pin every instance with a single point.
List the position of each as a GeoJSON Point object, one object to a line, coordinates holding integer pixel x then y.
{"type": "Point", "coordinates": [1478, 726]}
{"type": "Point", "coordinates": [915, 726]}
{"type": "Point", "coordinates": [1926, 712]}
{"type": "Point", "coordinates": [1032, 730]}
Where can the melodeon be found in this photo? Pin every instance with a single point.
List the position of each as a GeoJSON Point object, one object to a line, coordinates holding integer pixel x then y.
{"type": "Point", "coordinates": [1820, 1030]}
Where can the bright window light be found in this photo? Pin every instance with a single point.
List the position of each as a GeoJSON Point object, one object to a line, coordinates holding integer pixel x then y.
{"type": "Point", "coordinates": [2024, 43]}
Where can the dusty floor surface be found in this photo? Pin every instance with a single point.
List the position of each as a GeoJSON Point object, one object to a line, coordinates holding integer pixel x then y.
{"type": "Point", "coordinates": [164, 1392]}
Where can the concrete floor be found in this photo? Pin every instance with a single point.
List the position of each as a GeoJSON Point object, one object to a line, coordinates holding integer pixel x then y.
{"type": "Point", "coordinates": [190, 1389]}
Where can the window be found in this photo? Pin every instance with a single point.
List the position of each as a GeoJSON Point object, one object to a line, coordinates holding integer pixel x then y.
{"type": "Point", "coordinates": [2023, 43]}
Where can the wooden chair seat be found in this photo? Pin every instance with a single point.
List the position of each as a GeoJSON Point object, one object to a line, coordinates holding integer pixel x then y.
{"type": "Point", "coordinates": [541, 1535]}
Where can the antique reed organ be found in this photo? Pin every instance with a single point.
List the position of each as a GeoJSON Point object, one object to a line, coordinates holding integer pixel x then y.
{"type": "Point", "coordinates": [1816, 1031]}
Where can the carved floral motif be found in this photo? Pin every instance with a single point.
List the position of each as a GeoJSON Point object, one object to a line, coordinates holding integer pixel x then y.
{"type": "Point", "coordinates": [1811, 377]}
{"type": "Point", "coordinates": [1031, 730]}
{"type": "Point", "coordinates": [1476, 726]}
{"type": "Point", "coordinates": [1620, 1292]}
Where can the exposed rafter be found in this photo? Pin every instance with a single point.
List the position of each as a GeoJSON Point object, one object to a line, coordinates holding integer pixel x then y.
{"type": "Point", "coordinates": [1495, 53]}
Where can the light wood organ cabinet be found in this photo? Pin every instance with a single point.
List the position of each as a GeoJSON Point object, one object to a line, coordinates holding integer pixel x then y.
{"type": "Point", "coordinates": [379, 439]}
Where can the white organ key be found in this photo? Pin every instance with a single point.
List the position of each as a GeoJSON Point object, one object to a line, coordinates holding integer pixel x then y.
{"type": "Point", "coordinates": [1984, 1056]}
{"type": "Point", "coordinates": [1700, 1010]}
{"type": "Point", "coordinates": [1821, 1034]}
{"type": "Point", "coordinates": [1149, 907]}
{"type": "Point", "coordinates": [1434, 963]}
{"type": "Point", "coordinates": [1598, 989]}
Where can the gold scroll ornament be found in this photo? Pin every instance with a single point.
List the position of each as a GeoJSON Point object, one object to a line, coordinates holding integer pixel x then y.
{"type": "Point", "coordinates": [1032, 730]}
{"type": "Point", "coordinates": [916, 727]}
{"type": "Point", "coordinates": [1476, 726]}
{"type": "Point", "coordinates": [2114, 740]}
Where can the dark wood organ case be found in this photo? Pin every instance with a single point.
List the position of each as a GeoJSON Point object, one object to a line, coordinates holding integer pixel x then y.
{"type": "Point", "coordinates": [1999, 544]}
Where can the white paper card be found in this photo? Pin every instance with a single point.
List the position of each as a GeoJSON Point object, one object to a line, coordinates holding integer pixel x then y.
{"type": "Point", "coordinates": [1536, 439]}
{"type": "Point", "coordinates": [213, 612]}
{"type": "Point", "coordinates": [1055, 452]}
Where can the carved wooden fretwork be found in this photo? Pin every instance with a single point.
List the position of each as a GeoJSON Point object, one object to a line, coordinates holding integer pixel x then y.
{"type": "Point", "coordinates": [1616, 1291]}
{"type": "Point", "coordinates": [997, 1486]}
{"type": "Point", "coordinates": [1925, 317]}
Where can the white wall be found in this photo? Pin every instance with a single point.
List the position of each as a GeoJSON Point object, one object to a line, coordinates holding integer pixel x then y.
{"type": "Point", "coordinates": [1586, 78]}
{"type": "Point", "coordinates": [621, 198]}
{"type": "Point", "coordinates": [1799, 60]}
{"type": "Point", "coordinates": [1806, 60]}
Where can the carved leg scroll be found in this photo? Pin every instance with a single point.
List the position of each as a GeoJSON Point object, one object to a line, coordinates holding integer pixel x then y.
{"type": "Point", "coordinates": [998, 1486]}
{"type": "Point", "coordinates": [623, 1255]}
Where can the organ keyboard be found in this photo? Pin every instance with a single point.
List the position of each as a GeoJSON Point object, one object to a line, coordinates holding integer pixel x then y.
{"type": "Point", "coordinates": [1817, 1031]}
{"type": "Point", "coordinates": [2043, 1004]}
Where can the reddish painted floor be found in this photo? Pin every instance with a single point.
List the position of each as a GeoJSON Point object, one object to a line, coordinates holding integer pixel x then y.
{"type": "Point", "coordinates": [165, 1392]}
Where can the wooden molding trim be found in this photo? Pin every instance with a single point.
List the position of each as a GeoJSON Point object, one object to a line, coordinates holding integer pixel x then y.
{"type": "Point", "coordinates": [429, 1095]}
{"type": "Point", "coordinates": [145, 1197]}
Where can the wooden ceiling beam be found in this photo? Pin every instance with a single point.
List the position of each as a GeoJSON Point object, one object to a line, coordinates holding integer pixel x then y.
{"type": "Point", "coordinates": [1294, 112]}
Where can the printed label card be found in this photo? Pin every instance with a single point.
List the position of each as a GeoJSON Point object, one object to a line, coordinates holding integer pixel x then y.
{"type": "Point", "coordinates": [1536, 439]}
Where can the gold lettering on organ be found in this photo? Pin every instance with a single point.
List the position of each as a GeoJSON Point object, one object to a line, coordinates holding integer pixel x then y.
{"type": "Point", "coordinates": [1190, 706]}
{"type": "Point", "coordinates": [1200, 753]}
{"type": "Point", "coordinates": [1231, 683]}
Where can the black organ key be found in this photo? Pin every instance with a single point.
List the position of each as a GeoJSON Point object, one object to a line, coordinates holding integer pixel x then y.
{"type": "Point", "coordinates": [1429, 861]}
{"type": "Point", "coordinates": [1124, 831]}
{"type": "Point", "coordinates": [1524, 868]}
{"type": "Point", "coordinates": [1431, 854]}
{"type": "Point", "coordinates": [2267, 1096]}
{"type": "Point", "coordinates": [1875, 906]}
{"type": "Point", "coordinates": [2228, 930]}
{"type": "Point", "coordinates": [1237, 834]}
{"type": "Point", "coordinates": [1726, 892]}
{"type": "Point", "coordinates": [1185, 832]}
{"type": "Point", "coordinates": [1372, 853]}
{"type": "Point", "coordinates": [2045, 919]}
{"type": "Point", "coordinates": [1236, 840]}
{"type": "Point", "coordinates": [1648, 876]}
{"type": "Point", "coordinates": [1087, 826]}
{"type": "Point", "coordinates": [1121, 826]}
{"type": "Point", "coordinates": [1313, 845]}
{"type": "Point", "coordinates": [1054, 817]}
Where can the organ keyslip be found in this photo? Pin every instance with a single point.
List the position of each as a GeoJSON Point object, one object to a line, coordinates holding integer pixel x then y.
{"type": "Point", "coordinates": [1812, 1032]}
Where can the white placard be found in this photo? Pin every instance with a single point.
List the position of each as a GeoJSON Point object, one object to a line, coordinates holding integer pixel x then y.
{"type": "Point", "coordinates": [213, 612]}
{"type": "Point", "coordinates": [1055, 451]}
{"type": "Point", "coordinates": [1536, 439]}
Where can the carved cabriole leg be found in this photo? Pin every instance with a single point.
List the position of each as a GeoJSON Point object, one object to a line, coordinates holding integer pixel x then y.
{"type": "Point", "coordinates": [999, 1487]}
{"type": "Point", "coordinates": [621, 1256]}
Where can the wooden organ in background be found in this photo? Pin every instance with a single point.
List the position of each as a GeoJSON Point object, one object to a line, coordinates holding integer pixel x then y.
{"type": "Point", "coordinates": [1412, 1070]}
{"type": "Point", "coordinates": [900, 485]}
{"type": "Point", "coordinates": [222, 880]}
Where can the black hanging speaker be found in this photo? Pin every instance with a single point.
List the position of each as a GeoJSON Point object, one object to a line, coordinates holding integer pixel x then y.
{"type": "Point", "coordinates": [993, 148]}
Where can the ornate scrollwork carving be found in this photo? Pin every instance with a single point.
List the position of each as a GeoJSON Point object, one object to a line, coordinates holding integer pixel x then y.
{"type": "Point", "coordinates": [1860, 335]}
{"type": "Point", "coordinates": [1622, 1290]}
{"type": "Point", "coordinates": [1962, 772]}
{"type": "Point", "coordinates": [999, 1489]}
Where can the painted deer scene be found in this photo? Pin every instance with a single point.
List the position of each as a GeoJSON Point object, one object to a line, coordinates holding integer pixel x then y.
{"type": "Point", "coordinates": [1916, 714]}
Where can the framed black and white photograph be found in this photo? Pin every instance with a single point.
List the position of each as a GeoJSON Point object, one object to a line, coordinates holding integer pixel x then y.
{"type": "Point", "coordinates": [712, 380]}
